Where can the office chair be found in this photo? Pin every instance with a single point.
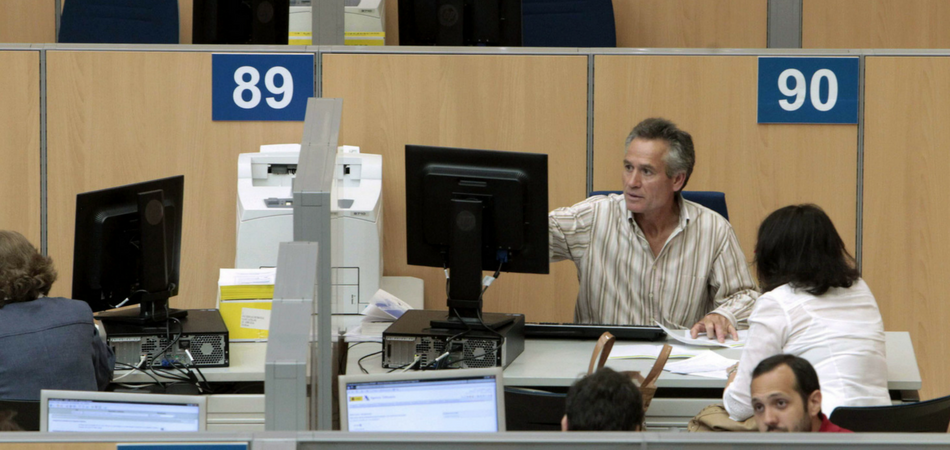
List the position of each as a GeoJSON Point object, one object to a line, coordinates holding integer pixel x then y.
{"type": "Point", "coordinates": [713, 200]}
{"type": "Point", "coordinates": [119, 22]}
{"type": "Point", "coordinates": [19, 415]}
{"type": "Point", "coordinates": [568, 23]}
{"type": "Point", "coordinates": [932, 416]}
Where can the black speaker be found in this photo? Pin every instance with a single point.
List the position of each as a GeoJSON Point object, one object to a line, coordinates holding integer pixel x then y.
{"type": "Point", "coordinates": [260, 22]}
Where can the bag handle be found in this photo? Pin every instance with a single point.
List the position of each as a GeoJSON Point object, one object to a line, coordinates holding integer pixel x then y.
{"type": "Point", "coordinates": [658, 366]}
{"type": "Point", "coordinates": [601, 352]}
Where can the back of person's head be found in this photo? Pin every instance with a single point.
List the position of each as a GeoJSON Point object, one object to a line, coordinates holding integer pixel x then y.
{"type": "Point", "coordinates": [25, 274]}
{"type": "Point", "coordinates": [799, 245]}
{"type": "Point", "coordinates": [806, 379]}
{"type": "Point", "coordinates": [604, 401]}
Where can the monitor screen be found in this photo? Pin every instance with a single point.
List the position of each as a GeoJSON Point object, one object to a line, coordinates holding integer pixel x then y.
{"type": "Point", "coordinates": [460, 22]}
{"type": "Point", "coordinates": [475, 210]}
{"type": "Point", "coordinates": [127, 247]}
{"type": "Point", "coordinates": [466, 400]}
{"type": "Point", "coordinates": [90, 411]}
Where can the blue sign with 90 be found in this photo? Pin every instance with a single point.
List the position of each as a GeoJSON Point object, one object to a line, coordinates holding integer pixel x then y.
{"type": "Point", "coordinates": [808, 90]}
{"type": "Point", "coordinates": [261, 86]}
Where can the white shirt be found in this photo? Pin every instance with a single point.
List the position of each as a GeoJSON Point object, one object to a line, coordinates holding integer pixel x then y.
{"type": "Point", "coordinates": [840, 333]}
{"type": "Point", "coordinates": [699, 270]}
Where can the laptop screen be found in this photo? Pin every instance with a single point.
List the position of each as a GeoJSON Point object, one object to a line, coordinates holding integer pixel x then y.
{"type": "Point", "coordinates": [77, 411]}
{"type": "Point", "coordinates": [470, 400]}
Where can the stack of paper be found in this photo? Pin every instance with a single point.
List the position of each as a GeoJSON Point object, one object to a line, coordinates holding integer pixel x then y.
{"type": "Point", "coordinates": [383, 309]}
{"type": "Point", "coordinates": [703, 341]}
{"type": "Point", "coordinates": [247, 284]}
{"type": "Point", "coordinates": [707, 364]}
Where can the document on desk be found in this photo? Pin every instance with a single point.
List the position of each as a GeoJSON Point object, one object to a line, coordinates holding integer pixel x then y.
{"type": "Point", "coordinates": [383, 309]}
{"type": "Point", "coordinates": [707, 364]}
{"type": "Point", "coordinates": [651, 351]}
{"type": "Point", "coordinates": [702, 341]}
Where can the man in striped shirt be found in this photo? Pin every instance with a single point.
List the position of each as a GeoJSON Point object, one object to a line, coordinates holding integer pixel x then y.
{"type": "Point", "coordinates": [650, 256]}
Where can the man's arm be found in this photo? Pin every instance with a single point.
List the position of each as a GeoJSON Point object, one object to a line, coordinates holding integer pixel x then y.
{"type": "Point", "coordinates": [569, 232]}
{"type": "Point", "coordinates": [735, 292]}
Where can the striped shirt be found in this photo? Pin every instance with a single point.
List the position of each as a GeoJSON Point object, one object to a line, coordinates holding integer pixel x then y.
{"type": "Point", "coordinates": [700, 269]}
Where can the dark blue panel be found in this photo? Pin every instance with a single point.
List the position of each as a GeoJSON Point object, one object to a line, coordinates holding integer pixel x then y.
{"type": "Point", "coordinates": [776, 106]}
{"type": "Point", "coordinates": [253, 100]}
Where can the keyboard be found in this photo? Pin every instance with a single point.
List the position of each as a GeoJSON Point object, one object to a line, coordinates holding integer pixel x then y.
{"type": "Point", "coordinates": [592, 331]}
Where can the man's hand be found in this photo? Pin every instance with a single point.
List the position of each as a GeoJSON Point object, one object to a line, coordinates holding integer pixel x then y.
{"type": "Point", "coordinates": [716, 326]}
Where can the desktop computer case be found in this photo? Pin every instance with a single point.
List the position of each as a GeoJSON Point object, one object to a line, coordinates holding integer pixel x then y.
{"type": "Point", "coordinates": [411, 336]}
{"type": "Point", "coordinates": [203, 333]}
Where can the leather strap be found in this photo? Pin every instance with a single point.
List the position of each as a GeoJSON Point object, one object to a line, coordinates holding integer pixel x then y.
{"type": "Point", "coordinates": [601, 352]}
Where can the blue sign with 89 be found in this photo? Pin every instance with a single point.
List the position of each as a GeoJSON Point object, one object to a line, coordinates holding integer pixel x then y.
{"type": "Point", "coordinates": [808, 90]}
{"type": "Point", "coordinates": [260, 86]}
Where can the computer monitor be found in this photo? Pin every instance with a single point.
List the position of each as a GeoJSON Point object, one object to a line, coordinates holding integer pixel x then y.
{"type": "Point", "coordinates": [241, 22]}
{"type": "Point", "coordinates": [474, 210]}
{"type": "Point", "coordinates": [127, 249]}
{"type": "Point", "coordinates": [464, 400]}
{"type": "Point", "coordinates": [460, 22]}
{"type": "Point", "coordinates": [81, 411]}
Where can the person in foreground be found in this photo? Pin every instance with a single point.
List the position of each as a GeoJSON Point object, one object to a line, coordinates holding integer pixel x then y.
{"type": "Point", "coordinates": [786, 397]}
{"type": "Point", "coordinates": [650, 256]}
{"type": "Point", "coordinates": [603, 401]}
{"type": "Point", "coordinates": [45, 343]}
{"type": "Point", "coordinates": [816, 306]}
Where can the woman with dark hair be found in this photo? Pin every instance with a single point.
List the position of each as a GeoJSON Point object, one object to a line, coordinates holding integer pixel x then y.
{"type": "Point", "coordinates": [45, 342]}
{"type": "Point", "coordinates": [814, 305]}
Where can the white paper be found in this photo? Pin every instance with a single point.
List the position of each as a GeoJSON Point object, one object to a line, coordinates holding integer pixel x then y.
{"type": "Point", "coordinates": [365, 332]}
{"type": "Point", "coordinates": [384, 306]}
{"type": "Point", "coordinates": [707, 361]}
{"type": "Point", "coordinates": [239, 277]}
{"type": "Point", "coordinates": [702, 341]}
{"type": "Point", "coordinates": [651, 351]}
{"type": "Point", "coordinates": [255, 318]}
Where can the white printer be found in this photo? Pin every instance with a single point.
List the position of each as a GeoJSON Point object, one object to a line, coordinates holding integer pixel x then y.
{"type": "Point", "coordinates": [362, 20]}
{"type": "Point", "coordinates": [265, 218]}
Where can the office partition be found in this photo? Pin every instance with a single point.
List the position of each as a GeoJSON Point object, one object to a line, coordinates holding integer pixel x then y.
{"type": "Point", "coordinates": [27, 21]}
{"type": "Point", "coordinates": [528, 103]}
{"type": "Point", "coordinates": [119, 117]}
{"type": "Point", "coordinates": [759, 167]}
{"type": "Point", "coordinates": [20, 143]}
{"type": "Point", "coordinates": [691, 23]}
{"type": "Point", "coordinates": [875, 24]}
{"type": "Point", "coordinates": [906, 212]}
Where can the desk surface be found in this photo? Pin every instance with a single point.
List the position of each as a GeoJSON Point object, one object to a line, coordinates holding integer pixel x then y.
{"type": "Point", "coordinates": [551, 363]}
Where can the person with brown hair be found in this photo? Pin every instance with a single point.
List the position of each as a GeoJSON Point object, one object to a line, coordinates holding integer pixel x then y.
{"type": "Point", "coordinates": [45, 342]}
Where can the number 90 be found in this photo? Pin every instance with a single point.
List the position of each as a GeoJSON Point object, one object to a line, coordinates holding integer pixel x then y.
{"type": "Point", "coordinates": [286, 88]}
{"type": "Point", "coordinates": [798, 90]}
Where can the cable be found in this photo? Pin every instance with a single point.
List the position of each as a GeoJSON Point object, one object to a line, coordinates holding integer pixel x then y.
{"type": "Point", "coordinates": [360, 361]}
{"type": "Point", "coordinates": [133, 368]}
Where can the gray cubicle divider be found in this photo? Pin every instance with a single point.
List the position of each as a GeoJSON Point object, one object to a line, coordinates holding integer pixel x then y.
{"type": "Point", "coordinates": [285, 370]}
{"type": "Point", "coordinates": [311, 192]}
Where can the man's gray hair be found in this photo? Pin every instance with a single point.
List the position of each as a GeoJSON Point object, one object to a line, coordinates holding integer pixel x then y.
{"type": "Point", "coordinates": [681, 157]}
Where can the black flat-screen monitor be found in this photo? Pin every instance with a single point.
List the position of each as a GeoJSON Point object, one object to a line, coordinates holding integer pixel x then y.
{"type": "Point", "coordinates": [241, 22]}
{"type": "Point", "coordinates": [460, 22]}
{"type": "Point", "coordinates": [128, 248]}
{"type": "Point", "coordinates": [475, 210]}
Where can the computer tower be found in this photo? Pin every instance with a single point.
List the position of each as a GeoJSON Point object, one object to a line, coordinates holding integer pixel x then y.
{"type": "Point", "coordinates": [202, 333]}
{"type": "Point", "coordinates": [412, 336]}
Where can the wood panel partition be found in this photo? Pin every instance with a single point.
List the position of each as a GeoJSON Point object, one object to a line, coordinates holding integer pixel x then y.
{"type": "Point", "coordinates": [499, 102]}
{"type": "Point", "coordinates": [20, 143]}
{"type": "Point", "coordinates": [875, 24]}
{"type": "Point", "coordinates": [906, 243]}
{"type": "Point", "coordinates": [124, 117]}
{"type": "Point", "coordinates": [759, 167]}
{"type": "Point", "coordinates": [28, 21]}
{"type": "Point", "coordinates": [691, 23]}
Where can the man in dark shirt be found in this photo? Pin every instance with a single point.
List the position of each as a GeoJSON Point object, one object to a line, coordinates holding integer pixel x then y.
{"type": "Point", "coordinates": [786, 396]}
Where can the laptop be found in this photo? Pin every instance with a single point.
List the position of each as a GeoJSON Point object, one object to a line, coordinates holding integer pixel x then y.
{"type": "Point", "coordinates": [79, 411]}
{"type": "Point", "coordinates": [463, 400]}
